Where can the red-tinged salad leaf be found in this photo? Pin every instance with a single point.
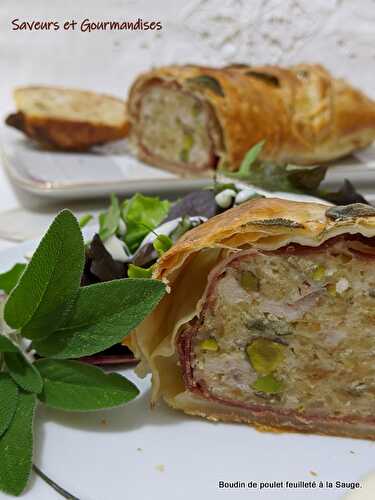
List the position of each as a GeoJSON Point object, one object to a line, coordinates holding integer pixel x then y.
{"type": "Point", "coordinates": [115, 355]}
{"type": "Point", "coordinates": [101, 264]}
{"type": "Point", "coordinates": [292, 179]}
{"type": "Point", "coordinates": [346, 195]}
{"type": "Point", "coordinates": [199, 203]}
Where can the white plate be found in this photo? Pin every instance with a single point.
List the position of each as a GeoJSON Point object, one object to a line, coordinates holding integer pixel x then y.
{"type": "Point", "coordinates": [137, 453]}
{"type": "Point", "coordinates": [105, 170]}
{"type": "Point", "coordinates": [60, 175]}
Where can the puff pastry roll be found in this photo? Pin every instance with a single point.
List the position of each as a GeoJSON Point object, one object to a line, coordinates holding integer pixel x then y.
{"type": "Point", "coordinates": [269, 319]}
{"type": "Point", "coordinates": [192, 119]}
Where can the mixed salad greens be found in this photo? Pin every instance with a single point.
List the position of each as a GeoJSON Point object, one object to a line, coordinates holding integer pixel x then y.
{"type": "Point", "coordinates": [292, 179]}
{"type": "Point", "coordinates": [134, 233]}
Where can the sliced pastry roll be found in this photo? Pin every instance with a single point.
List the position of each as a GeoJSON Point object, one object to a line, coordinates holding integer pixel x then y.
{"type": "Point", "coordinates": [192, 118]}
{"type": "Point", "coordinates": [68, 119]}
{"type": "Point", "coordinates": [269, 319]}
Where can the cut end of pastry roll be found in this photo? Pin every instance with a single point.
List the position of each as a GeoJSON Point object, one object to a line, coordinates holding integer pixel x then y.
{"type": "Point", "coordinates": [177, 128]}
{"type": "Point", "coordinates": [270, 319]}
{"type": "Point", "coordinates": [192, 119]}
{"type": "Point", "coordinates": [68, 118]}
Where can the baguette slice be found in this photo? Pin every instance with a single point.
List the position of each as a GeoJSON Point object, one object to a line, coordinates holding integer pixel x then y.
{"type": "Point", "coordinates": [269, 319]}
{"type": "Point", "coordinates": [68, 119]}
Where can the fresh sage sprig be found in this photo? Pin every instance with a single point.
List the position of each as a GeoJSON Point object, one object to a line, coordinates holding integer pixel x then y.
{"type": "Point", "coordinates": [55, 318]}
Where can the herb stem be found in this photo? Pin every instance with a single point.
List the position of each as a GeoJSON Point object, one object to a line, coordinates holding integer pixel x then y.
{"type": "Point", "coordinates": [54, 485]}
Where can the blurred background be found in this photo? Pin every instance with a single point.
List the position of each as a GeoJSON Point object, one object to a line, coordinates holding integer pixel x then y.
{"type": "Point", "coordinates": [337, 33]}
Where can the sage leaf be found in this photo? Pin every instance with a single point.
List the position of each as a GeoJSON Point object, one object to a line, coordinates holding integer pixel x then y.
{"type": "Point", "coordinates": [74, 386]}
{"type": "Point", "coordinates": [50, 282]}
{"type": "Point", "coordinates": [109, 221]}
{"type": "Point", "coordinates": [16, 447]}
{"type": "Point", "coordinates": [7, 345]}
{"type": "Point", "coordinates": [9, 279]}
{"type": "Point", "coordinates": [162, 244]}
{"type": "Point", "coordinates": [8, 401]}
{"type": "Point", "coordinates": [22, 372]}
{"type": "Point", "coordinates": [266, 77]}
{"type": "Point", "coordinates": [103, 314]}
{"type": "Point", "coordinates": [209, 82]}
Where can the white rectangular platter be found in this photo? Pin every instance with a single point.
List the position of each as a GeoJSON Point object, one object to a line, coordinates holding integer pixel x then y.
{"type": "Point", "coordinates": [60, 175]}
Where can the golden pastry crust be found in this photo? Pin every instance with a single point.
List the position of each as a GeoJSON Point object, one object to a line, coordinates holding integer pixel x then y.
{"type": "Point", "coordinates": [266, 224]}
{"type": "Point", "coordinates": [304, 114]}
{"type": "Point", "coordinates": [264, 216]}
{"type": "Point", "coordinates": [64, 121]}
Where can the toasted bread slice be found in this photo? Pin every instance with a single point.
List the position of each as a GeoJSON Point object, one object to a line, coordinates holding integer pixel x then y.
{"type": "Point", "coordinates": [68, 119]}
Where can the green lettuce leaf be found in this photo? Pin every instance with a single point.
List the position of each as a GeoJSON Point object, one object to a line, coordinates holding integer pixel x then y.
{"type": "Point", "coordinates": [249, 160]}
{"type": "Point", "coordinates": [162, 244]}
{"type": "Point", "coordinates": [140, 272]}
{"type": "Point", "coordinates": [142, 214]}
{"type": "Point", "coordinates": [84, 220]}
{"type": "Point", "coordinates": [109, 221]}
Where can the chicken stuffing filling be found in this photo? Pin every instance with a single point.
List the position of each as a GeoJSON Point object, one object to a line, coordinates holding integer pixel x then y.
{"type": "Point", "coordinates": [291, 331]}
{"type": "Point", "coordinates": [176, 127]}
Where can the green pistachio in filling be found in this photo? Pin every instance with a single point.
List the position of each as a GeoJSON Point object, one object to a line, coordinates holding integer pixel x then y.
{"type": "Point", "coordinates": [265, 355]}
{"type": "Point", "coordinates": [249, 281]}
{"type": "Point", "coordinates": [268, 384]}
{"type": "Point", "coordinates": [209, 345]}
